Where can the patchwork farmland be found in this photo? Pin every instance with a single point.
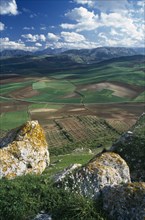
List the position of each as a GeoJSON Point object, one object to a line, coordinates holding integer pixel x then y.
{"type": "Point", "coordinates": [87, 107]}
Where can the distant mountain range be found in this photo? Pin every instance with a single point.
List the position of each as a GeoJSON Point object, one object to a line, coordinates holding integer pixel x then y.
{"type": "Point", "coordinates": [103, 53]}
{"type": "Point", "coordinates": [15, 53]}
{"type": "Point", "coordinates": [83, 56]}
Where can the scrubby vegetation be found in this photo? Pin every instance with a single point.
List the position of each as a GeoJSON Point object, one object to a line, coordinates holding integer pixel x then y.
{"type": "Point", "coordinates": [26, 196]}
{"type": "Point", "coordinates": [132, 149]}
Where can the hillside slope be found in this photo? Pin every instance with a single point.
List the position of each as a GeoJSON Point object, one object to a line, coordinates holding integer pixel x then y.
{"type": "Point", "coordinates": [131, 147]}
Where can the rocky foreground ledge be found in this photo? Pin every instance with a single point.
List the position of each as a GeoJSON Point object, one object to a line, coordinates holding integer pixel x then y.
{"type": "Point", "coordinates": [105, 169]}
{"type": "Point", "coordinates": [125, 201]}
{"type": "Point", "coordinates": [106, 176]}
{"type": "Point", "coordinates": [24, 150]}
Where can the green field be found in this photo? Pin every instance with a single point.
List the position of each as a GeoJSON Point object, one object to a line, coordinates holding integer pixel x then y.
{"type": "Point", "coordinates": [64, 86]}
{"type": "Point", "coordinates": [114, 81]}
{"type": "Point", "coordinates": [9, 87]}
{"type": "Point", "coordinates": [102, 96]}
{"type": "Point", "coordinates": [11, 120]}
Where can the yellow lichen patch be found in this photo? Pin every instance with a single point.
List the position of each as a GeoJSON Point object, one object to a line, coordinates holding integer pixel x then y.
{"type": "Point", "coordinates": [34, 133]}
{"type": "Point", "coordinates": [42, 165]}
{"type": "Point", "coordinates": [10, 175]}
{"type": "Point", "coordinates": [110, 167]}
{"type": "Point", "coordinates": [28, 147]}
{"type": "Point", "coordinates": [136, 186]}
{"type": "Point", "coordinates": [105, 159]}
{"type": "Point", "coordinates": [94, 165]}
{"type": "Point", "coordinates": [14, 149]}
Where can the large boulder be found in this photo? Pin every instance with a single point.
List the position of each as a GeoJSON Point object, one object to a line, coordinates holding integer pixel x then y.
{"type": "Point", "coordinates": [66, 172]}
{"type": "Point", "coordinates": [126, 201]}
{"type": "Point", "coordinates": [24, 151]}
{"type": "Point", "coordinates": [105, 169]}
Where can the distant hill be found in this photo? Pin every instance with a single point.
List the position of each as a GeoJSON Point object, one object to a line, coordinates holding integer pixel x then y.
{"type": "Point", "coordinates": [50, 51]}
{"type": "Point", "coordinates": [53, 63]}
{"type": "Point", "coordinates": [103, 53]}
{"type": "Point", "coordinates": [17, 53]}
{"type": "Point", "coordinates": [14, 53]}
{"type": "Point", "coordinates": [83, 56]}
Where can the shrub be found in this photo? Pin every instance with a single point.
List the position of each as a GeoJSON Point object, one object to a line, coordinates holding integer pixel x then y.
{"type": "Point", "coordinates": [24, 197]}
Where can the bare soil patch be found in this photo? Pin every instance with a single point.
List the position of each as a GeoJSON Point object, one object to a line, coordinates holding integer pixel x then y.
{"type": "Point", "coordinates": [73, 110]}
{"type": "Point", "coordinates": [72, 95]}
{"type": "Point", "coordinates": [14, 79]}
{"type": "Point", "coordinates": [43, 110]}
{"type": "Point", "coordinates": [119, 89]}
{"type": "Point", "coordinates": [25, 92]}
{"type": "Point", "coordinates": [13, 106]}
{"type": "Point", "coordinates": [77, 109]}
{"type": "Point", "coordinates": [121, 111]}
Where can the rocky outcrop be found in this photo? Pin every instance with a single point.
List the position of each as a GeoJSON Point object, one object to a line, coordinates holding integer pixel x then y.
{"type": "Point", "coordinates": [125, 201]}
{"type": "Point", "coordinates": [67, 171]}
{"type": "Point", "coordinates": [106, 169]}
{"type": "Point", "coordinates": [24, 151]}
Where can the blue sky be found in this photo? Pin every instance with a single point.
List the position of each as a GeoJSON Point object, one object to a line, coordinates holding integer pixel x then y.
{"type": "Point", "coordinates": [72, 24]}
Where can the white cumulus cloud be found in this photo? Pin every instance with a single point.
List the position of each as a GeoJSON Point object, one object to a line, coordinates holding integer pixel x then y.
{"type": "Point", "coordinates": [2, 26]}
{"type": "Point", "coordinates": [34, 38]}
{"type": "Point", "coordinates": [41, 37]}
{"type": "Point", "coordinates": [8, 7]}
{"type": "Point", "coordinates": [84, 2]}
{"type": "Point", "coordinates": [105, 5]}
{"type": "Point", "coordinates": [6, 43]}
{"type": "Point", "coordinates": [38, 45]}
{"type": "Point", "coordinates": [28, 28]}
{"type": "Point", "coordinates": [85, 19]}
{"type": "Point", "coordinates": [53, 37]}
{"type": "Point", "coordinates": [79, 14]}
{"type": "Point", "coordinates": [72, 37]}
{"type": "Point", "coordinates": [115, 26]}
{"type": "Point", "coordinates": [72, 45]}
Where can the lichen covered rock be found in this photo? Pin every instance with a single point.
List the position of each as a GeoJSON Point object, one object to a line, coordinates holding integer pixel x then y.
{"type": "Point", "coordinates": [23, 151]}
{"type": "Point", "coordinates": [67, 171]}
{"type": "Point", "coordinates": [106, 169]}
{"type": "Point", "coordinates": [125, 201]}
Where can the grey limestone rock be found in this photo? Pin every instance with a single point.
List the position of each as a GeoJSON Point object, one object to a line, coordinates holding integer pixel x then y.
{"type": "Point", "coordinates": [23, 151]}
{"type": "Point", "coordinates": [105, 169]}
{"type": "Point", "coordinates": [125, 201]}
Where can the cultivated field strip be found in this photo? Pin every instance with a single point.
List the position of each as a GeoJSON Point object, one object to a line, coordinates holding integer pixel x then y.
{"type": "Point", "coordinates": [80, 129]}
{"type": "Point", "coordinates": [73, 129]}
{"type": "Point", "coordinates": [96, 125]}
{"type": "Point", "coordinates": [54, 136]}
{"type": "Point", "coordinates": [120, 126]}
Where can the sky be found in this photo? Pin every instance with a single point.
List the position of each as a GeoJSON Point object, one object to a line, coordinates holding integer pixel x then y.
{"type": "Point", "coordinates": [71, 24]}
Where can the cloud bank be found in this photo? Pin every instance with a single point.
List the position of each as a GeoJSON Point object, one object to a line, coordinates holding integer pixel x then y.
{"type": "Point", "coordinates": [8, 7]}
